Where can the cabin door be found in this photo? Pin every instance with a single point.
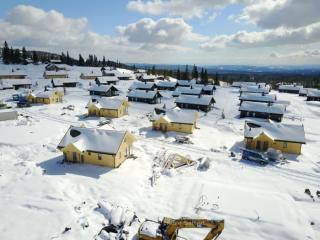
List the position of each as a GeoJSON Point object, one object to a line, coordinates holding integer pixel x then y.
{"type": "Point", "coordinates": [74, 157]}
{"type": "Point", "coordinates": [163, 127]}
{"type": "Point", "coordinates": [262, 146]}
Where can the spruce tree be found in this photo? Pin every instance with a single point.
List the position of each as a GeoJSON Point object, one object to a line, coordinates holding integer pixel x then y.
{"type": "Point", "coordinates": [202, 75]}
{"type": "Point", "coordinates": [16, 56]}
{"type": "Point", "coordinates": [103, 61]}
{"type": "Point", "coordinates": [35, 57]}
{"type": "Point", "coordinates": [24, 53]}
{"type": "Point", "coordinates": [153, 71]}
{"type": "Point", "coordinates": [6, 53]}
{"type": "Point", "coordinates": [205, 77]}
{"type": "Point", "coordinates": [186, 73]}
{"type": "Point", "coordinates": [178, 74]}
{"type": "Point", "coordinates": [81, 60]}
{"type": "Point", "coordinates": [11, 55]}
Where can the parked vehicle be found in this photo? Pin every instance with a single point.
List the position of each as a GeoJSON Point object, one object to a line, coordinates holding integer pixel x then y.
{"type": "Point", "coordinates": [254, 156]}
{"type": "Point", "coordinates": [275, 155]}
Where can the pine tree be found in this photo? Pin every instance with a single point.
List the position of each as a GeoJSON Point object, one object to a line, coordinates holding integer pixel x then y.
{"type": "Point", "coordinates": [195, 74]}
{"type": "Point", "coordinates": [153, 71]}
{"type": "Point", "coordinates": [11, 55]}
{"type": "Point", "coordinates": [35, 57]}
{"type": "Point", "coordinates": [81, 60]}
{"type": "Point", "coordinates": [201, 75]}
{"type": "Point", "coordinates": [216, 79]}
{"type": "Point", "coordinates": [103, 61]}
{"type": "Point", "coordinates": [16, 56]}
{"type": "Point", "coordinates": [6, 53]}
{"type": "Point", "coordinates": [63, 58]}
{"type": "Point", "coordinates": [24, 53]}
{"type": "Point", "coordinates": [205, 77]}
{"type": "Point", "coordinates": [178, 74]}
{"type": "Point", "coordinates": [68, 60]}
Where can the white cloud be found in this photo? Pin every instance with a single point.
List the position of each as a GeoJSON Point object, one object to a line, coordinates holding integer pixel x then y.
{"type": "Point", "coordinates": [281, 13]}
{"type": "Point", "coordinates": [299, 54]}
{"type": "Point", "coordinates": [164, 32]}
{"type": "Point", "coordinates": [267, 38]}
{"type": "Point", "coordinates": [182, 8]}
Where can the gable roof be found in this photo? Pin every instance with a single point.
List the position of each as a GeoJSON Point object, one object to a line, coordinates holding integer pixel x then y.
{"type": "Point", "coordinates": [292, 87]}
{"type": "Point", "coordinates": [176, 116]}
{"type": "Point", "coordinates": [15, 73]}
{"type": "Point", "coordinates": [61, 81]}
{"type": "Point", "coordinates": [53, 73]}
{"type": "Point", "coordinates": [142, 85]}
{"type": "Point", "coordinates": [166, 84]}
{"type": "Point", "coordinates": [44, 94]}
{"type": "Point", "coordinates": [204, 100]}
{"type": "Point", "coordinates": [14, 82]}
{"type": "Point", "coordinates": [107, 79]}
{"type": "Point", "coordinates": [262, 107]}
{"type": "Point", "coordinates": [186, 82]}
{"type": "Point", "coordinates": [313, 93]}
{"type": "Point", "coordinates": [187, 90]}
{"type": "Point", "coordinates": [143, 94]}
{"type": "Point", "coordinates": [102, 88]}
{"type": "Point", "coordinates": [108, 103]}
{"type": "Point", "coordinates": [276, 131]}
{"type": "Point", "coordinates": [255, 89]}
{"type": "Point", "coordinates": [95, 140]}
{"type": "Point", "coordinates": [258, 97]}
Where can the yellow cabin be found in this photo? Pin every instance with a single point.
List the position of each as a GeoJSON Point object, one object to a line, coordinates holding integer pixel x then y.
{"type": "Point", "coordinates": [284, 137]}
{"type": "Point", "coordinates": [175, 120]}
{"type": "Point", "coordinates": [46, 97]}
{"type": "Point", "coordinates": [106, 107]}
{"type": "Point", "coordinates": [109, 148]}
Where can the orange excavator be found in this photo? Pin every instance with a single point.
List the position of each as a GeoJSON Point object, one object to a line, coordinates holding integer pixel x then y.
{"type": "Point", "coordinates": [168, 228]}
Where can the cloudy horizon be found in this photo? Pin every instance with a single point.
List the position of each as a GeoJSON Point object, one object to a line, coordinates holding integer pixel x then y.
{"type": "Point", "coordinates": [204, 32]}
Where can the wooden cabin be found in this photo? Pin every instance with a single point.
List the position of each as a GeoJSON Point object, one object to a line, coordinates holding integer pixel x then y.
{"type": "Point", "coordinates": [261, 136]}
{"type": "Point", "coordinates": [208, 89]}
{"type": "Point", "coordinates": [203, 103]}
{"type": "Point", "coordinates": [15, 84]}
{"type": "Point", "coordinates": [13, 75]}
{"type": "Point", "coordinates": [290, 88]}
{"type": "Point", "coordinates": [55, 74]}
{"type": "Point", "coordinates": [147, 78]}
{"type": "Point", "coordinates": [185, 83]}
{"type": "Point", "coordinates": [56, 67]}
{"type": "Point", "coordinates": [46, 97]}
{"type": "Point", "coordinates": [165, 85]}
{"type": "Point", "coordinates": [104, 90]}
{"type": "Point", "coordinates": [313, 95]}
{"type": "Point", "coordinates": [64, 82]}
{"type": "Point", "coordinates": [151, 97]}
{"type": "Point", "coordinates": [106, 107]}
{"type": "Point", "coordinates": [107, 80]}
{"type": "Point", "coordinates": [109, 148]}
{"type": "Point", "coordinates": [90, 76]}
{"type": "Point", "coordinates": [174, 120]}
{"type": "Point", "coordinates": [262, 110]}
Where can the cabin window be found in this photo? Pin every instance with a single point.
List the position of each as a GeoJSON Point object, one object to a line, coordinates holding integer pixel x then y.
{"type": "Point", "coordinates": [285, 145]}
{"type": "Point", "coordinates": [99, 157]}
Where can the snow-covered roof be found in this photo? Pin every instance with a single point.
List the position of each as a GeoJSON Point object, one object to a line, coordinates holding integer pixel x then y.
{"type": "Point", "coordinates": [166, 84]}
{"type": "Point", "coordinates": [143, 94]}
{"type": "Point", "coordinates": [256, 97]}
{"type": "Point", "coordinates": [53, 73]}
{"type": "Point", "coordinates": [142, 85]}
{"type": "Point", "coordinates": [108, 103]}
{"type": "Point", "coordinates": [276, 131]}
{"type": "Point", "coordinates": [198, 100]}
{"type": "Point", "coordinates": [148, 77]}
{"type": "Point", "coordinates": [208, 87]}
{"type": "Point", "coordinates": [150, 229]}
{"type": "Point", "coordinates": [15, 73]}
{"type": "Point", "coordinates": [91, 139]}
{"type": "Point", "coordinates": [187, 90]}
{"type": "Point", "coordinates": [92, 74]}
{"type": "Point", "coordinates": [262, 107]}
{"type": "Point", "coordinates": [292, 87]}
{"type": "Point", "coordinates": [102, 88]}
{"type": "Point", "coordinates": [60, 81]}
{"type": "Point", "coordinates": [14, 82]}
{"type": "Point", "coordinates": [55, 61]}
{"type": "Point", "coordinates": [44, 94]}
{"type": "Point", "coordinates": [186, 82]}
{"type": "Point", "coordinates": [313, 93]}
{"type": "Point", "coordinates": [255, 89]}
{"type": "Point", "coordinates": [177, 116]}
{"type": "Point", "coordinates": [107, 79]}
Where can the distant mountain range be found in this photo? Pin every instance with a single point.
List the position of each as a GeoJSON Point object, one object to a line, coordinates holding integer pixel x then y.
{"type": "Point", "coordinates": [242, 69]}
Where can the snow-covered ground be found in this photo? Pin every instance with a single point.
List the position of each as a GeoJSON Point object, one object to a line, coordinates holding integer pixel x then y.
{"type": "Point", "coordinates": [39, 197]}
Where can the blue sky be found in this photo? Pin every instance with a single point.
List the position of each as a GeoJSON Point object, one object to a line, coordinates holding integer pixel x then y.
{"type": "Point", "coordinates": [242, 31]}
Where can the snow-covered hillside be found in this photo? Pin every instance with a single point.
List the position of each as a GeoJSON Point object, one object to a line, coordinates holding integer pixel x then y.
{"type": "Point", "coordinates": [39, 197]}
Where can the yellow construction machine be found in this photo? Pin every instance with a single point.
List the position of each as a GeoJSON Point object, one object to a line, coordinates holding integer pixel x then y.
{"type": "Point", "coordinates": [168, 228]}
